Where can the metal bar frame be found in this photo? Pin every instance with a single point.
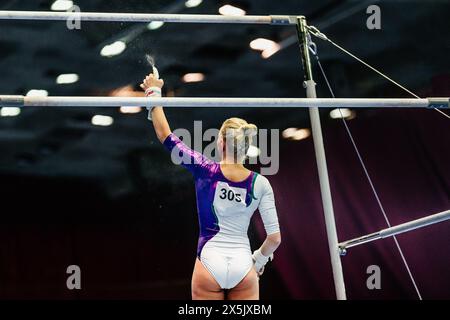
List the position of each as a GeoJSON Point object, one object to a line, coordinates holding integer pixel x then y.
{"type": "Point", "coordinates": [327, 202]}
{"type": "Point", "coordinates": [144, 17]}
{"type": "Point", "coordinates": [93, 101]}
{"type": "Point", "coordinates": [310, 102]}
{"type": "Point", "coordinates": [392, 231]}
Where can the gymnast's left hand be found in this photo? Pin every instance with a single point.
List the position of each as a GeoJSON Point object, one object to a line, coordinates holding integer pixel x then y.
{"type": "Point", "coordinates": [260, 272]}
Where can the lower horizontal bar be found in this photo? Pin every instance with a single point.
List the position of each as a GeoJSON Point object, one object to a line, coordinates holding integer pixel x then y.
{"type": "Point", "coordinates": [212, 102]}
{"type": "Point", "coordinates": [392, 231]}
{"type": "Point", "coordinates": [144, 17]}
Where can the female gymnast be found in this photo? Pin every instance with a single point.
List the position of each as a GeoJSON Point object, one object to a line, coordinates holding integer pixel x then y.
{"type": "Point", "coordinates": [227, 196]}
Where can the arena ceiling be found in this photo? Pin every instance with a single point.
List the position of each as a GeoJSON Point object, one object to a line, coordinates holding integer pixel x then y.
{"type": "Point", "coordinates": [64, 143]}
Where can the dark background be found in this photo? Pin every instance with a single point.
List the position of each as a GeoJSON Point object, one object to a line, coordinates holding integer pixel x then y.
{"type": "Point", "coordinates": [110, 201]}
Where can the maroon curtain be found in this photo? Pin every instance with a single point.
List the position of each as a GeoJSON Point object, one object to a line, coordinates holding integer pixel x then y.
{"type": "Point", "coordinates": [407, 153]}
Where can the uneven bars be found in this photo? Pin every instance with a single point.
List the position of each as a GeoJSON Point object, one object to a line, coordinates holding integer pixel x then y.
{"type": "Point", "coordinates": [392, 231]}
{"type": "Point", "coordinates": [93, 101]}
{"type": "Point", "coordinates": [146, 17]}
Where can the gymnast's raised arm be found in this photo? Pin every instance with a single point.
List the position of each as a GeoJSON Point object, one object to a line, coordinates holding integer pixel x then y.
{"type": "Point", "coordinates": [152, 86]}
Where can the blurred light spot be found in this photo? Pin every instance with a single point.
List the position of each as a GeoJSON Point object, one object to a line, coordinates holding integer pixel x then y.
{"type": "Point", "coordinates": [253, 152]}
{"type": "Point", "coordinates": [193, 77]}
{"type": "Point", "coordinates": [342, 113]}
{"type": "Point", "coordinates": [193, 3]}
{"type": "Point", "coordinates": [37, 93]}
{"type": "Point", "coordinates": [62, 5]}
{"type": "Point", "coordinates": [130, 109]}
{"type": "Point", "coordinates": [155, 25]}
{"type": "Point", "coordinates": [296, 134]}
{"type": "Point", "coordinates": [229, 10]}
{"type": "Point", "coordinates": [67, 78]}
{"type": "Point", "coordinates": [113, 49]}
{"type": "Point", "coordinates": [271, 51]}
{"type": "Point", "coordinates": [266, 46]}
{"type": "Point", "coordinates": [104, 121]}
{"type": "Point", "coordinates": [9, 111]}
{"type": "Point", "coordinates": [262, 44]}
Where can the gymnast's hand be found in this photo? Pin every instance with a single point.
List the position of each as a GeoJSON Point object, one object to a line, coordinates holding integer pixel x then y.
{"type": "Point", "coordinates": [152, 86]}
{"type": "Point", "coordinates": [260, 261]}
{"type": "Point", "coordinates": [260, 272]}
{"type": "Point", "coordinates": [151, 81]}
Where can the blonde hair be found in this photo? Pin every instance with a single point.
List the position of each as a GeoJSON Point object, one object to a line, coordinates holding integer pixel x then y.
{"type": "Point", "coordinates": [237, 135]}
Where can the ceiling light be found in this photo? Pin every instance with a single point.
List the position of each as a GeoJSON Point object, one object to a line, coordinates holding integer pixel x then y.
{"type": "Point", "coordinates": [62, 5]}
{"type": "Point", "coordinates": [193, 3]}
{"type": "Point", "coordinates": [155, 25]}
{"type": "Point", "coordinates": [262, 44]}
{"type": "Point", "coordinates": [113, 49]}
{"type": "Point", "coordinates": [342, 113]}
{"type": "Point", "coordinates": [267, 53]}
{"type": "Point", "coordinates": [67, 78]}
{"type": "Point", "coordinates": [103, 121]}
{"type": "Point", "coordinates": [229, 10]}
{"type": "Point", "coordinates": [193, 77]}
{"type": "Point", "coordinates": [9, 111]}
{"type": "Point", "coordinates": [296, 134]}
{"type": "Point", "coordinates": [37, 93]}
{"type": "Point", "coordinates": [130, 109]}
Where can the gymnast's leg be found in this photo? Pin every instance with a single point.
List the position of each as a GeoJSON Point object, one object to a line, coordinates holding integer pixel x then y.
{"type": "Point", "coordinates": [247, 289]}
{"type": "Point", "coordinates": [204, 286]}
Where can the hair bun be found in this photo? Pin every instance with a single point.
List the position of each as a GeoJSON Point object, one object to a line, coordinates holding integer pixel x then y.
{"type": "Point", "coordinates": [249, 129]}
{"type": "Point", "coordinates": [238, 136]}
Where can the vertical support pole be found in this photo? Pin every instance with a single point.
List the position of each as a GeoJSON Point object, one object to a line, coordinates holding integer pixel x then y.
{"type": "Point", "coordinates": [330, 223]}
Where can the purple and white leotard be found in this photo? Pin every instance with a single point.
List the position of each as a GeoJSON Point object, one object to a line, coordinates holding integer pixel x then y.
{"type": "Point", "coordinates": [224, 211]}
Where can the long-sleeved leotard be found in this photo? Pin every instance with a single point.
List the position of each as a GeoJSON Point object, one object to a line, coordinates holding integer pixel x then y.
{"type": "Point", "coordinates": [224, 212]}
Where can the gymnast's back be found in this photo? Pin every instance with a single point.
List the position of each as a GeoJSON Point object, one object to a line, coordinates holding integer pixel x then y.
{"type": "Point", "coordinates": [225, 207]}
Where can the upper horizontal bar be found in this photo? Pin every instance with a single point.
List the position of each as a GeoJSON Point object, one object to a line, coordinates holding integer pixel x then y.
{"type": "Point", "coordinates": [25, 101]}
{"type": "Point", "coordinates": [145, 17]}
